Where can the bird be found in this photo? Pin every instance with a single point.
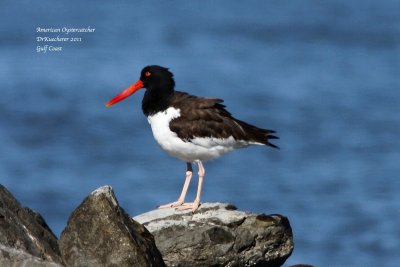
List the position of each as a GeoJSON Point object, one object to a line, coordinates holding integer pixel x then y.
{"type": "Point", "coordinates": [191, 128]}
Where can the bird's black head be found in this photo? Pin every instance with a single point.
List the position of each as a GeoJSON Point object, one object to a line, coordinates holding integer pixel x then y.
{"type": "Point", "coordinates": [158, 81]}
{"type": "Point", "coordinates": [157, 78]}
{"type": "Point", "coordinates": [160, 84]}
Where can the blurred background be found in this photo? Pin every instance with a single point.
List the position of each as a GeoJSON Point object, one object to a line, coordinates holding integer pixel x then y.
{"type": "Point", "coordinates": [324, 74]}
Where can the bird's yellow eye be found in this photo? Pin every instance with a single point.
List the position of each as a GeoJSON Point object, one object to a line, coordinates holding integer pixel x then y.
{"type": "Point", "coordinates": [147, 74]}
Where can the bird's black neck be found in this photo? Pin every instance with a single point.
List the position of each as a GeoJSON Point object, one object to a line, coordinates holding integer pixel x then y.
{"type": "Point", "coordinates": [156, 100]}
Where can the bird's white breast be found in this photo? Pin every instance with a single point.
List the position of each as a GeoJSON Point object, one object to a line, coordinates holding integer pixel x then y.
{"type": "Point", "coordinates": [199, 148]}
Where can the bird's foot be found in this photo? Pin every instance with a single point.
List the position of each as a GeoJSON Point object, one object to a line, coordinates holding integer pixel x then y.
{"type": "Point", "coordinates": [172, 204]}
{"type": "Point", "coordinates": [190, 206]}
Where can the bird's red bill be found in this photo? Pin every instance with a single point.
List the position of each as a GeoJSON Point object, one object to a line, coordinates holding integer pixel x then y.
{"type": "Point", "coordinates": [124, 94]}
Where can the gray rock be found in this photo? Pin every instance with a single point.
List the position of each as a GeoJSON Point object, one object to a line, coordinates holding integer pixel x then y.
{"type": "Point", "coordinates": [24, 235]}
{"type": "Point", "coordinates": [17, 257]}
{"type": "Point", "coordinates": [219, 235]}
{"type": "Point", "coordinates": [100, 233]}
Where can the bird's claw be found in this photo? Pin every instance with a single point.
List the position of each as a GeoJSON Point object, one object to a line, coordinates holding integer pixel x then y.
{"type": "Point", "coordinates": [189, 206]}
{"type": "Point", "coordinates": [171, 205]}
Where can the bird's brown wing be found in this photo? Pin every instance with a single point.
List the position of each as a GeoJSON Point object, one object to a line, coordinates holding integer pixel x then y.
{"type": "Point", "coordinates": [207, 117]}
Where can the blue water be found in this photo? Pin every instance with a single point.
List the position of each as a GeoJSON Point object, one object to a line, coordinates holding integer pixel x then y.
{"type": "Point", "coordinates": [324, 74]}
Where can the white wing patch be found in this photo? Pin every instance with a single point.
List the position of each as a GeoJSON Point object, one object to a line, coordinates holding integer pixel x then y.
{"type": "Point", "coordinates": [212, 142]}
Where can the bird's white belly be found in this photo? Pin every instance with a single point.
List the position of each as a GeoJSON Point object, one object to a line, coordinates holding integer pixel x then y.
{"type": "Point", "coordinates": [199, 148]}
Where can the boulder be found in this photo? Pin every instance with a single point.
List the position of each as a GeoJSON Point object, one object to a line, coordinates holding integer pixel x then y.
{"type": "Point", "coordinates": [219, 235]}
{"type": "Point", "coordinates": [17, 257]}
{"type": "Point", "coordinates": [100, 233]}
{"type": "Point", "coordinates": [25, 238]}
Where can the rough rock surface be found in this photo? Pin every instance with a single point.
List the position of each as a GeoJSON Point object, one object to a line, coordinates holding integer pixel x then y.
{"type": "Point", "coordinates": [219, 235]}
{"type": "Point", "coordinates": [17, 257]}
{"type": "Point", "coordinates": [100, 233]}
{"type": "Point", "coordinates": [25, 238]}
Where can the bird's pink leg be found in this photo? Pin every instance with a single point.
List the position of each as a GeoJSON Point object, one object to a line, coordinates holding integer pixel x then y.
{"type": "Point", "coordinates": [196, 203]}
{"type": "Point", "coordinates": [181, 199]}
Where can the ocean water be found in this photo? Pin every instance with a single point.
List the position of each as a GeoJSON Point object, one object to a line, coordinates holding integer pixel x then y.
{"type": "Point", "coordinates": [324, 74]}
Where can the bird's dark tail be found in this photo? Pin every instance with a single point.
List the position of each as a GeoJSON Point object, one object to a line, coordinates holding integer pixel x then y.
{"type": "Point", "coordinates": [270, 136]}
{"type": "Point", "coordinates": [259, 135]}
{"type": "Point", "coordinates": [264, 136]}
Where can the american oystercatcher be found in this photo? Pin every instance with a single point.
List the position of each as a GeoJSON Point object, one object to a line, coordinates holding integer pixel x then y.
{"type": "Point", "coordinates": [190, 128]}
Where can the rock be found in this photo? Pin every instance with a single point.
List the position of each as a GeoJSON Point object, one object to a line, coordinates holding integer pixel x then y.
{"type": "Point", "coordinates": [17, 257]}
{"type": "Point", "coordinates": [219, 235]}
{"type": "Point", "coordinates": [25, 238]}
{"type": "Point", "coordinates": [100, 233]}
